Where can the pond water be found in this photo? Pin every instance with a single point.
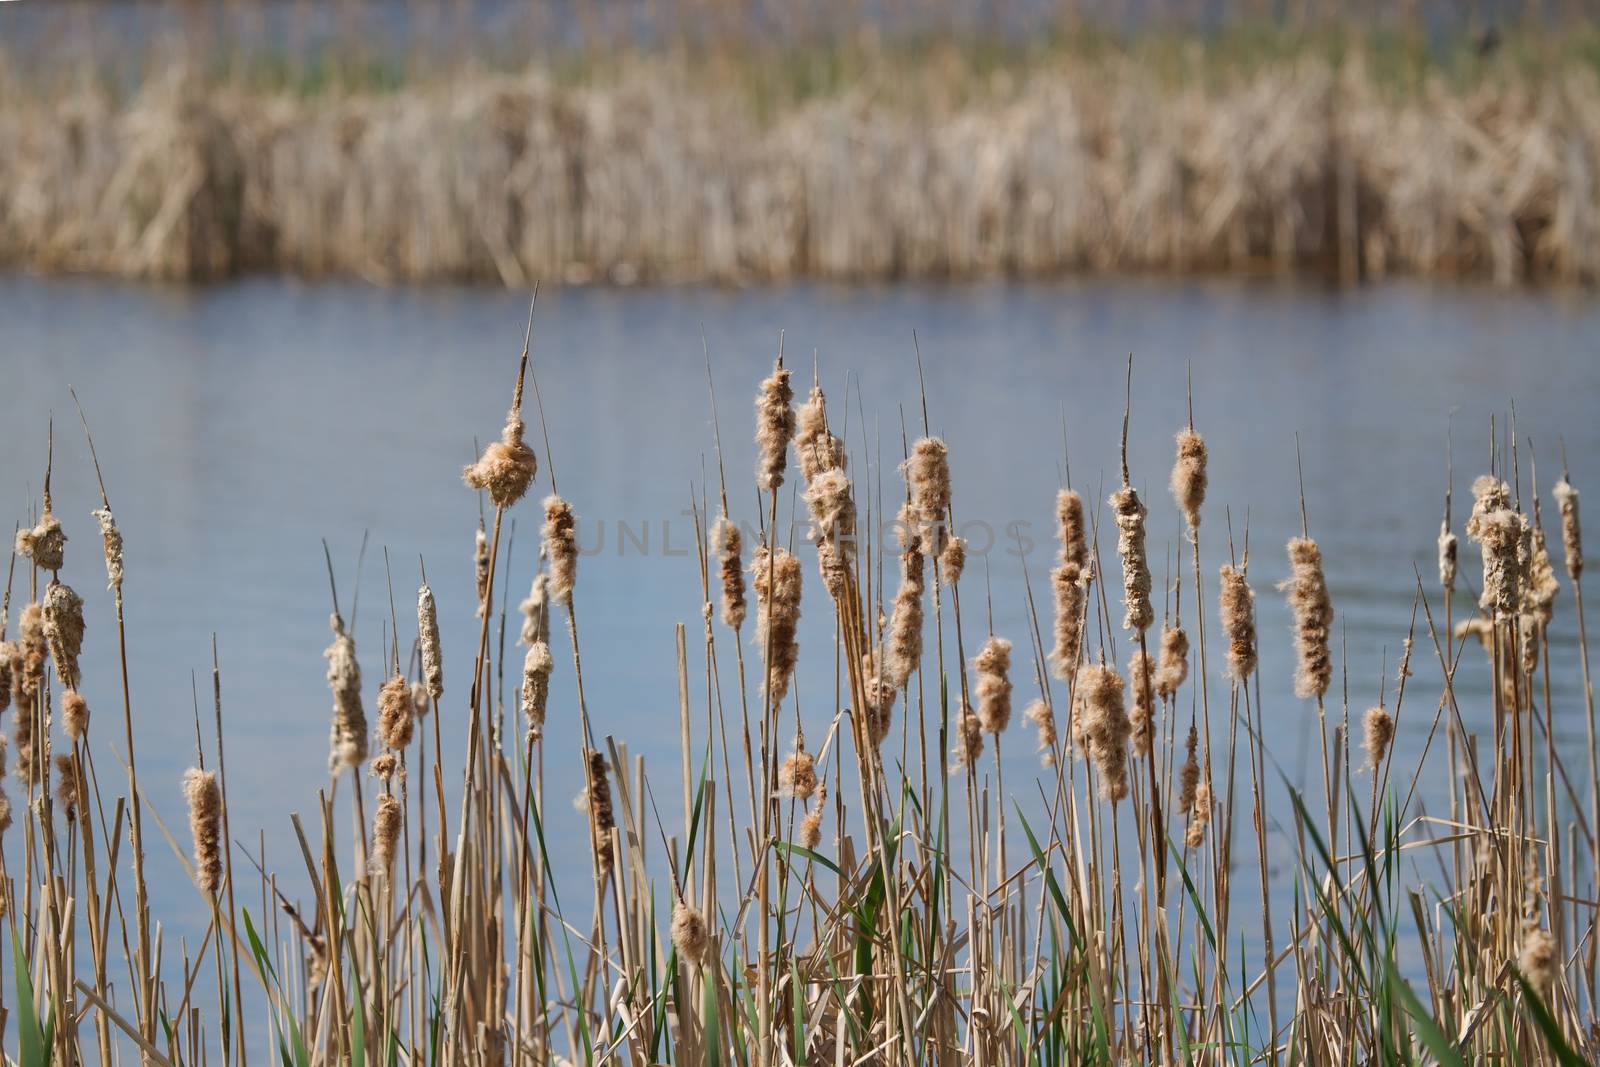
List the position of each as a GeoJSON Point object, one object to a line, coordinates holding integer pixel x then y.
{"type": "Point", "coordinates": [239, 425]}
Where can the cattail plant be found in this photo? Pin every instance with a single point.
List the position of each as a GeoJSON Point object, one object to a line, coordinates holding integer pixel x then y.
{"type": "Point", "coordinates": [1238, 612]}
{"type": "Point", "coordinates": [349, 734]}
{"type": "Point", "coordinates": [798, 775]}
{"type": "Point", "coordinates": [810, 832]}
{"type": "Point", "coordinates": [927, 472]}
{"type": "Point", "coordinates": [1189, 476]}
{"type": "Point", "coordinates": [903, 646]}
{"type": "Point", "coordinates": [1141, 719]}
{"type": "Point", "coordinates": [953, 559]}
{"type": "Point", "coordinates": [967, 744]}
{"type": "Point", "coordinates": [726, 544]}
{"type": "Point", "coordinates": [1189, 773]}
{"type": "Point", "coordinates": [1044, 720]}
{"type": "Point", "coordinates": [1498, 531]}
{"type": "Point", "coordinates": [1100, 722]}
{"type": "Point", "coordinates": [560, 534]}
{"type": "Point", "coordinates": [689, 934]}
{"type": "Point", "coordinates": [992, 665]}
{"type": "Point", "coordinates": [1069, 581]}
{"type": "Point", "coordinates": [480, 567]}
{"type": "Point", "coordinates": [386, 831]}
{"type": "Point", "coordinates": [45, 543]}
{"type": "Point", "coordinates": [878, 693]}
{"type": "Point", "coordinates": [776, 578]}
{"type": "Point", "coordinates": [1448, 549]}
{"type": "Point", "coordinates": [111, 539]}
{"type": "Point", "coordinates": [1312, 610]}
{"type": "Point", "coordinates": [1378, 732]}
{"type": "Point", "coordinates": [1129, 514]}
{"type": "Point", "coordinates": [537, 663]}
{"type": "Point", "coordinates": [67, 794]}
{"type": "Point", "coordinates": [74, 714]}
{"type": "Point", "coordinates": [1199, 812]}
{"type": "Point", "coordinates": [598, 804]}
{"type": "Point", "coordinates": [396, 713]}
{"type": "Point", "coordinates": [774, 426]}
{"type": "Point", "coordinates": [1571, 533]}
{"type": "Point", "coordinates": [506, 467]}
{"type": "Point", "coordinates": [428, 639]}
{"type": "Point", "coordinates": [816, 448]}
{"type": "Point", "coordinates": [204, 798]}
{"type": "Point", "coordinates": [27, 679]}
{"type": "Point", "coordinates": [62, 613]}
{"type": "Point", "coordinates": [1173, 669]}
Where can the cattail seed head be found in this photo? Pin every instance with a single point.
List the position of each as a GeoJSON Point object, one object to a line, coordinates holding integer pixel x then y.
{"type": "Point", "coordinates": [1070, 530]}
{"type": "Point", "coordinates": [726, 543]}
{"type": "Point", "coordinates": [1199, 815]}
{"type": "Point", "coordinates": [967, 744]}
{"type": "Point", "coordinates": [1141, 720]}
{"type": "Point", "coordinates": [1129, 514]}
{"type": "Point", "coordinates": [1313, 617]}
{"type": "Point", "coordinates": [1101, 725]}
{"type": "Point", "coordinates": [62, 613]}
{"type": "Point", "coordinates": [689, 932]}
{"type": "Point", "coordinates": [1539, 959]}
{"type": "Point", "coordinates": [798, 775]}
{"type": "Point", "coordinates": [992, 665]}
{"type": "Point", "coordinates": [74, 713]}
{"type": "Point", "coordinates": [45, 544]}
{"type": "Point", "coordinates": [601, 819]}
{"type": "Point", "coordinates": [204, 798]}
{"type": "Point", "coordinates": [1174, 668]}
{"type": "Point", "coordinates": [561, 544]}
{"type": "Point", "coordinates": [536, 611]}
{"type": "Point", "coordinates": [1189, 476]}
{"type": "Point", "coordinates": [1189, 774]}
{"type": "Point", "coordinates": [1071, 588]}
{"type": "Point", "coordinates": [348, 747]}
{"type": "Point", "coordinates": [384, 766]}
{"type": "Point", "coordinates": [421, 699]}
{"type": "Point", "coordinates": [386, 831]}
{"type": "Point", "coordinates": [815, 447]}
{"type": "Point", "coordinates": [111, 537]}
{"type": "Point", "coordinates": [27, 679]}
{"type": "Point", "coordinates": [1044, 720]}
{"type": "Point", "coordinates": [811, 826]}
{"type": "Point", "coordinates": [506, 467]}
{"type": "Point", "coordinates": [396, 713]}
{"type": "Point", "coordinates": [1571, 532]}
{"type": "Point", "coordinates": [1498, 531]}
{"type": "Point", "coordinates": [774, 426]}
{"type": "Point", "coordinates": [953, 560]}
{"type": "Point", "coordinates": [776, 578]}
{"type": "Point", "coordinates": [1238, 610]}
{"type": "Point", "coordinates": [1378, 729]}
{"type": "Point", "coordinates": [67, 794]}
{"type": "Point", "coordinates": [480, 567]}
{"type": "Point", "coordinates": [927, 472]}
{"type": "Point", "coordinates": [1448, 547]}
{"type": "Point", "coordinates": [878, 700]}
{"type": "Point", "coordinates": [536, 668]}
{"type": "Point", "coordinates": [904, 645]}
{"type": "Point", "coordinates": [428, 638]}
{"type": "Point", "coordinates": [8, 660]}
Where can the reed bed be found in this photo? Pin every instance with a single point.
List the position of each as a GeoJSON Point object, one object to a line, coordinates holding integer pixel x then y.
{"type": "Point", "coordinates": [679, 168]}
{"type": "Point", "coordinates": [854, 881]}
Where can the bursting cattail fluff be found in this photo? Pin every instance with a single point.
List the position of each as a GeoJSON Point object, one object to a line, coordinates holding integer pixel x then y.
{"type": "Point", "coordinates": [386, 831]}
{"type": "Point", "coordinates": [774, 426]}
{"type": "Point", "coordinates": [536, 668]}
{"type": "Point", "coordinates": [1189, 476]}
{"type": "Point", "coordinates": [45, 544]}
{"type": "Point", "coordinates": [1539, 959]}
{"type": "Point", "coordinates": [1199, 815]}
{"type": "Point", "coordinates": [1378, 732]}
{"type": "Point", "coordinates": [205, 825]}
{"type": "Point", "coordinates": [384, 766]}
{"type": "Point", "coordinates": [480, 568]}
{"type": "Point", "coordinates": [815, 447]}
{"type": "Point", "coordinates": [1189, 774]}
{"type": "Point", "coordinates": [396, 713]}
{"type": "Point", "coordinates": [776, 577]}
{"type": "Point", "coordinates": [1313, 618]}
{"type": "Point", "coordinates": [1069, 581]}
{"type": "Point", "coordinates": [1044, 721]}
{"type": "Point", "coordinates": [62, 612]}
{"type": "Point", "coordinates": [953, 560]}
{"type": "Point", "coordinates": [726, 543]}
{"type": "Point", "coordinates": [878, 697]}
{"type": "Point", "coordinates": [1538, 597]}
{"type": "Point", "coordinates": [811, 826]}
{"type": "Point", "coordinates": [67, 793]}
{"type": "Point", "coordinates": [535, 611]}
{"type": "Point", "coordinates": [506, 467]}
{"type": "Point", "coordinates": [1571, 533]}
{"type": "Point", "coordinates": [8, 662]}
{"type": "Point", "coordinates": [1141, 720]}
{"type": "Point", "coordinates": [927, 472]}
{"type": "Point", "coordinates": [992, 665]}
{"type": "Point", "coordinates": [1448, 546]}
{"type": "Point", "coordinates": [1499, 532]}
{"type": "Point", "coordinates": [1101, 724]}
{"type": "Point", "coordinates": [111, 537]}
{"type": "Point", "coordinates": [798, 775]}
{"type": "Point", "coordinates": [1238, 610]}
{"type": "Point", "coordinates": [689, 932]}
{"type": "Point", "coordinates": [27, 677]}
{"type": "Point", "coordinates": [74, 714]}
{"type": "Point", "coordinates": [598, 801]}
{"type": "Point", "coordinates": [561, 545]}
{"type": "Point", "coordinates": [968, 741]}
{"type": "Point", "coordinates": [1129, 514]}
{"type": "Point", "coordinates": [1173, 670]}
{"type": "Point", "coordinates": [904, 646]}
{"type": "Point", "coordinates": [348, 747]}
{"type": "Point", "coordinates": [428, 638]}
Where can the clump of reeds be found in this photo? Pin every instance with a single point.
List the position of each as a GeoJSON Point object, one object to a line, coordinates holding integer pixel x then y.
{"type": "Point", "coordinates": [726, 544]}
{"type": "Point", "coordinates": [1312, 610]}
{"type": "Point", "coordinates": [689, 935]}
{"type": "Point", "coordinates": [1100, 722]}
{"type": "Point", "coordinates": [774, 426]}
{"type": "Point", "coordinates": [1129, 514]}
{"type": "Point", "coordinates": [348, 743]}
{"type": "Point", "coordinates": [1238, 611]}
{"type": "Point", "coordinates": [1173, 670]}
{"type": "Point", "coordinates": [561, 545]}
{"type": "Point", "coordinates": [1378, 732]}
{"type": "Point", "coordinates": [775, 574]}
{"type": "Point", "coordinates": [506, 467]}
{"type": "Point", "coordinates": [903, 647]}
{"type": "Point", "coordinates": [1141, 719]}
{"type": "Point", "coordinates": [396, 713]}
{"type": "Point", "coordinates": [62, 613]}
{"type": "Point", "coordinates": [1189, 476]}
{"type": "Point", "coordinates": [992, 665]}
{"type": "Point", "coordinates": [1571, 533]}
{"type": "Point", "coordinates": [428, 640]}
{"type": "Point", "coordinates": [204, 798]}
{"type": "Point", "coordinates": [927, 471]}
{"type": "Point", "coordinates": [386, 831]}
{"type": "Point", "coordinates": [1069, 581]}
{"type": "Point", "coordinates": [1044, 720]}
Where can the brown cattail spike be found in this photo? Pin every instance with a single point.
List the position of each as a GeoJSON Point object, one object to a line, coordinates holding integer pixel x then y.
{"type": "Point", "coordinates": [1141, 720]}
{"type": "Point", "coordinates": [396, 713]}
{"type": "Point", "coordinates": [45, 544]}
{"type": "Point", "coordinates": [74, 714]}
{"type": "Point", "coordinates": [774, 426]}
{"type": "Point", "coordinates": [1238, 611]}
{"type": "Point", "coordinates": [689, 933]}
{"type": "Point", "coordinates": [536, 668]}
{"type": "Point", "coordinates": [1378, 729]}
{"type": "Point", "coordinates": [111, 537]}
{"type": "Point", "coordinates": [903, 653]}
{"type": "Point", "coordinates": [1571, 532]}
{"type": "Point", "coordinates": [598, 802]}
{"type": "Point", "coordinates": [1189, 476]}
{"type": "Point", "coordinates": [506, 467]}
{"type": "Point", "coordinates": [815, 447]}
{"type": "Point", "coordinates": [428, 638]}
{"type": "Point", "coordinates": [1129, 514]}
{"type": "Point", "coordinates": [1448, 550]}
{"type": "Point", "coordinates": [1100, 722]}
{"type": "Point", "coordinates": [776, 577]}
{"type": "Point", "coordinates": [726, 544]}
{"type": "Point", "coordinates": [1313, 618]}
{"type": "Point", "coordinates": [968, 742]}
{"type": "Point", "coordinates": [1069, 582]}
{"type": "Point", "coordinates": [992, 665]}
{"type": "Point", "coordinates": [1044, 720]}
{"type": "Point", "coordinates": [927, 472]}
{"type": "Point", "coordinates": [1173, 670]}
{"type": "Point", "coordinates": [798, 775]}
{"type": "Point", "coordinates": [205, 824]}
{"type": "Point", "coordinates": [386, 831]}
{"type": "Point", "coordinates": [63, 630]}
{"type": "Point", "coordinates": [348, 746]}
{"type": "Point", "coordinates": [561, 545]}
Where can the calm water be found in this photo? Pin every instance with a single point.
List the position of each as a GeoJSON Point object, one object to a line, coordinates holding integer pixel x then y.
{"type": "Point", "coordinates": [240, 425]}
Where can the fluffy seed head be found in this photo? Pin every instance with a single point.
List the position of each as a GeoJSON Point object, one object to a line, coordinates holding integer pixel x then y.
{"type": "Point", "coordinates": [1238, 612]}
{"type": "Point", "coordinates": [1189, 774]}
{"type": "Point", "coordinates": [1539, 959]}
{"type": "Point", "coordinates": [384, 766]}
{"type": "Point", "coordinates": [428, 638]}
{"type": "Point", "coordinates": [480, 567]}
{"type": "Point", "coordinates": [1129, 514]}
{"type": "Point", "coordinates": [992, 665]}
{"type": "Point", "coordinates": [506, 467]}
{"type": "Point", "coordinates": [726, 544]}
{"type": "Point", "coordinates": [878, 700]}
{"type": "Point", "coordinates": [536, 668]}
{"type": "Point", "coordinates": [1070, 585]}
{"type": "Point", "coordinates": [967, 744]}
{"type": "Point", "coordinates": [776, 578]}
{"type": "Point", "coordinates": [1313, 618]}
{"type": "Point", "coordinates": [386, 831]}
{"type": "Point", "coordinates": [953, 560]}
{"type": "Point", "coordinates": [927, 472]}
{"type": "Point", "coordinates": [561, 545]}
{"type": "Point", "coordinates": [903, 650]}
{"type": "Point", "coordinates": [45, 544]}
{"type": "Point", "coordinates": [1070, 531]}
{"type": "Point", "coordinates": [816, 448]}
{"type": "Point", "coordinates": [689, 932]}
{"type": "Point", "coordinates": [67, 794]}
{"type": "Point", "coordinates": [1571, 532]}
{"type": "Point", "coordinates": [1174, 668]}
{"type": "Point", "coordinates": [1189, 476]}
{"type": "Point", "coordinates": [1448, 549]}
{"type": "Point", "coordinates": [74, 713]}
{"type": "Point", "coordinates": [1100, 722]}
{"type": "Point", "coordinates": [798, 775]}
{"type": "Point", "coordinates": [1044, 720]}
{"type": "Point", "coordinates": [396, 713]}
{"type": "Point", "coordinates": [1499, 534]}
{"type": "Point", "coordinates": [111, 537]}
{"type": "Point", "coordinates": [8, 658]}
{"type": "Point", "coordinates": [204, 798]}
{"type": "Point", "coordinates": [348, 744]}
{"type": "Point", "coordinates": [421, 699]}
{"type": "Point", "coordinates": [1378, 729]}
{"type": "Point", "coordinates": [774, 426]}
{"type": "Point", "coordinates": [1199, 816]}
{"type": "Point", "coordinates": [1141, 720]}
{"type": "Point", "coordinates": [62, 613]}
{"type": "Point", "coordinates": [601, 819]}
{"type": "Point", "coordinates": [811, 827]}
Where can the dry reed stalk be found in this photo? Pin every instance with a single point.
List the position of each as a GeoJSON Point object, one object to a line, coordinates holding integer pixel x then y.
{"type": "Point", "coordinates": [348, 741]}
{"type": "Point", "coordinates": [428, 639]}
{"type": "Point", "coordinates": [506, 467]}
{"type": "Point", "coordinates": [927, 472]}
{"type": "Point", "coordinates": [903, 651]}
{"type": "Point", "coordinates": [1100, 723]}
{"type": "Point", "coordinates": [689, 933]}
{"type": "Point", "coordinates": [1238, 611]}
{"type": "Point", "coordinates": [1312, 610]}
{"type": "Point", "coordinates": [1129, 514]}
{"type": "Point", "coordinates": [45, 544]}
{"type": "Point", "coordinates": [1571, 533]}
{"type": "Point", "coordinates": [74, 714]}
{"type": "Point", "coordinates": [776, 578]}
{"type": "Point", "coordinates": [201, 793]}
{"type": "Point", "coordinates": [561, 546]}
{"type": "Point", "coordinates": [1141, 719]}
{"type": "Point", "coordinates": [1377, 733]}
{"type": "Point", "coordinates": [62, 613]}
{"type": "Point", "coordinates": [386, 824]}
{"type": "Point", "coordinates": [1188, 481]}
{"type": "Point", "coordinates": [396, 713]}
{"type": "Point", "coordinates": [775, 425]}
{"type": "Point", "coordinates": [1044, 720]}
{"type": "Point", "coordinates": [992, 665]}
{"type": "Point", "coordinates": [726, 544]}
{"type": "Point", "coordinates": [1173, 670]}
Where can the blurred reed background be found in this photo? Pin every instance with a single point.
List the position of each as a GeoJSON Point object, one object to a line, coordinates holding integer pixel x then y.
{"type": "Point", "coordinates": [689, 140]}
